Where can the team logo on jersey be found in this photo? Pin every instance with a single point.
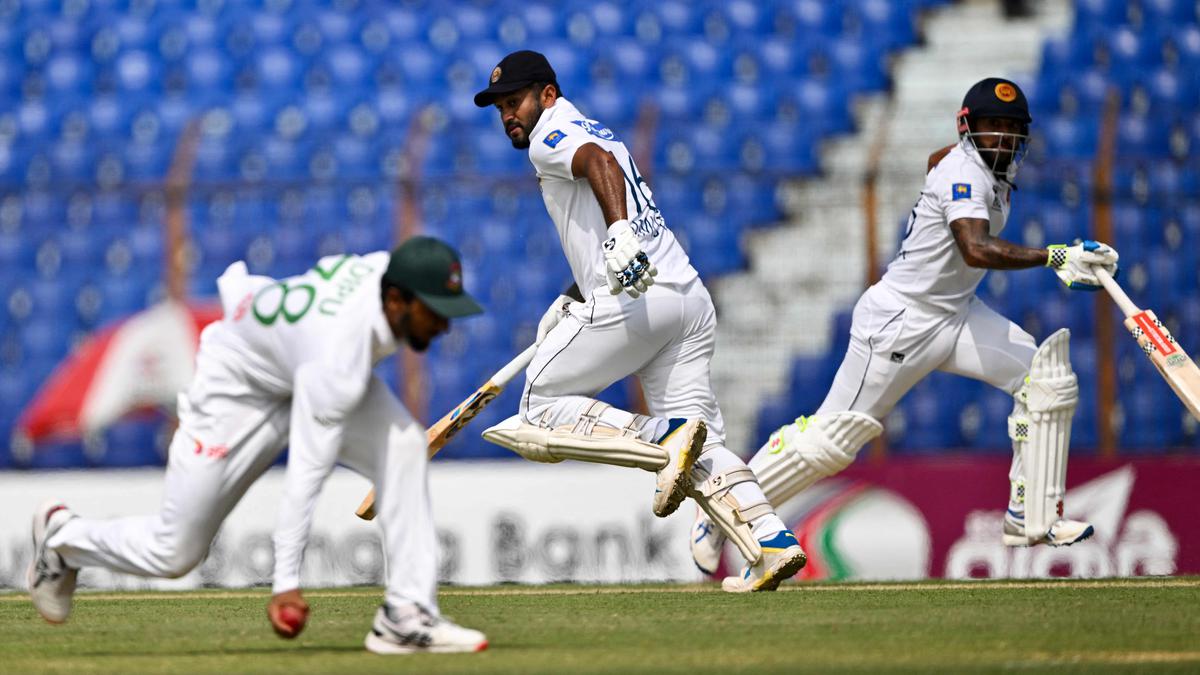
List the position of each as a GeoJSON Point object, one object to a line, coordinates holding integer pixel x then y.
{"type": "Point", "coordinates": [495, 75]}
{"type": "Point", "coordinates": [1006, 92]}
{"type": "Point", "coordinates": [596, 129]}
{"type": "Point", "coordinates": [960, 191]}
{"type": "Point", "coordinates": [553, 138]}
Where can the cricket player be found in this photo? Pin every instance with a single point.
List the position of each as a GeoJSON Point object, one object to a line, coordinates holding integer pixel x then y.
{"type": "Point", "coordinates": [290, 364]}
{"type": "Point", "coordinates": [924, 316]}
{"type": "Point", "coordinates": [637, 307]}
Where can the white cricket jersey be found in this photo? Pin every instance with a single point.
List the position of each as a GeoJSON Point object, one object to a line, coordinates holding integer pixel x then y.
{"type": "Point", "coordinates": [314, 339]}
{"type": "Point", "coordinates": [929, 267]}
{"type": "Point", "coordinates": [575, 211]}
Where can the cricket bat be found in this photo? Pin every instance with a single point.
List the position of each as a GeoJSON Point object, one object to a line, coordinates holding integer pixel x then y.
{"type": "Point", "coordinates": [1176, 367]}
{"type": "Point", "coordinates": [444, 429]}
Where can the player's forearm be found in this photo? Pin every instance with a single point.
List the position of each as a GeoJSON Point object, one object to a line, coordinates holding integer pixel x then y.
{"type": "Point", "coordinates": [997, 254]}
{"type": "Point", "coordinates": [608, 184]}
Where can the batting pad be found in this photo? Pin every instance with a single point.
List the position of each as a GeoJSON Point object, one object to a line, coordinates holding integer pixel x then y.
{"type": "Point", "coordinates": [602, 445]}
{"type": "Point", "coordinates": [715, 497]}
{"type": "Point", "coordinates": [809, 449]}
{"type": "Point", "coordinates": [1050, 394]}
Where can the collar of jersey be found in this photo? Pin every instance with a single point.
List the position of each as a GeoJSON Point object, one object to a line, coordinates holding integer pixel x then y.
{"type": "Point", "coordinates": [561, 107]}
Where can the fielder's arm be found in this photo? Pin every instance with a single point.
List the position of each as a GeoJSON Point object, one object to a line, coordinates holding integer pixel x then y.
{"type": "Point", "coordinates": [980, 249]}
{"type": "Point", "coordinates": [604, 174]}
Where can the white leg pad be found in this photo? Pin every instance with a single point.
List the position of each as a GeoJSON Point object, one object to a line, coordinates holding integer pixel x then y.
{"type": "Point", "coordinates": [600, 444]}
{"type": "Point", "coordinates": [811, 448]}
{"type": "Point", "coordinates": [716, 499]}
{"type": "Point", "coordinates": [1050, 394]}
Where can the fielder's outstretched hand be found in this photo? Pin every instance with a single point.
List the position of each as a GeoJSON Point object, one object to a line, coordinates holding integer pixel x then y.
{"type": "Point", "coordinates": [288, 613]}
{"type": "Point", "coordinates": [626, 265]}
{"type": "Point", "coordinates": [1073, 264]}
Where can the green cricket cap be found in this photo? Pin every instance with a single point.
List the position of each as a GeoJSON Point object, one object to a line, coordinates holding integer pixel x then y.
{"type": "Point", "coordinates": [431, 269]}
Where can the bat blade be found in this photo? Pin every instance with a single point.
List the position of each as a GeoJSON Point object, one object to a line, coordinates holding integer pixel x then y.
{"type": "Point", "coordinates": [1172, 362]}
{"type": "Point", "coordinates": [446, 428]}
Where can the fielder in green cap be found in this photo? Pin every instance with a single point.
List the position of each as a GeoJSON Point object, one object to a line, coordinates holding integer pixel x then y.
{"type": "Point", "coordinates": [291, 364]}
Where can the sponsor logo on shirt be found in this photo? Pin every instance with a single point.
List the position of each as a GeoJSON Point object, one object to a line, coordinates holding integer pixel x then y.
{"type": "Point", "coordinates": [596, 129]}
{"type": "Point", "coordinates": [553, 138]}
{"type": "Point", "coordinates": [960, 191]}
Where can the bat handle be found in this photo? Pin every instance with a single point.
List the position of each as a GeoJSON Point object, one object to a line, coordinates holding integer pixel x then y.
{"type": "Point", "coordinates": [1117, 293]}
{"type": "Point", "coordinates": [512, 368]}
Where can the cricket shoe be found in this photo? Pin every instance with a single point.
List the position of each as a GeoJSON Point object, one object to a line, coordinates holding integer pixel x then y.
{"type": "Point", "coordinates": [684, 441]}
{"type": "Point", "coordinates": [412, 630]}
{"type": "Point", "coordinates": [707, 543]}
{"type": "Point", "coordinates": [51, 581]}
{"type": "Point", "coordinates": [1062, 533]}
{"type": "Point", "coordinates": [781, 559]}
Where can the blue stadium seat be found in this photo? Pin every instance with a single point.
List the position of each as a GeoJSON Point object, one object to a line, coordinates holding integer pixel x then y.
{"type": "Point", "coordinates": [208, 69]}
{"type": "Point", "coordinates": [929, 424]}
{"type": "Point", "coordinates": [1151, 419]}
{"type": "Point", "coordinates": [778, 148]}
{"type": "Point", "coordinates": [815, 17]}
{"type": "Point", "coordinates": [137, 72]}
{"type": "Point", "coordinates": [809, 381]}
{"type": "Point", "coordinates": [1069, 137]}
{"type": "Point", "coordinates": [779, 59]}
{"type": "Point", "coordinates": [1142, 137]}
{"type": "Point", "coordinates": [886, 24]}
{"type": "Point", "coordinates": [1168, 13]}
{"type": "Point", "coordinates": [774, 413]}
{"type": "Point", "coordinates": [1100, 13]}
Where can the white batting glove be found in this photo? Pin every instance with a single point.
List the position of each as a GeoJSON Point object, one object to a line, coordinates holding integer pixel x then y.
{"type": "Point", "coordinates": [626, 265]}
{"type": "Point", "coordinates": [554, 313]}
{"type": "Point", "coordinates": [1073, 264]}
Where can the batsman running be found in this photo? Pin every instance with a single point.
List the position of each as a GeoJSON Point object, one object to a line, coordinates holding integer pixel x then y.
{"type": "Point", "coordinates": [290, 363]}
{"type": "Point", "coordinates": [923, 315]}
{"type": "Point", "coordinates": [637, 307]}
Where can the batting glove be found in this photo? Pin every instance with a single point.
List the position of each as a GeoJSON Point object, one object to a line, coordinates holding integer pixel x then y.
{"type": "Point", "coordinates": [1073, 264]}
{"type": "Point", "coordinates": [554, 313]}
{"type": "Point", "coordinates": [626, 265]}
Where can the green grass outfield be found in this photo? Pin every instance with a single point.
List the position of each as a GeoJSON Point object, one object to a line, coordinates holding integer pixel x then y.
{"type": "Point", "coordinates": [1052, 626]}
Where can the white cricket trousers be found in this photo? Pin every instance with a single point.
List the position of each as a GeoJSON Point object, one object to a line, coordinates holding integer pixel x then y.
{"type": "Point", "coordinates": [666, 337]}
{"type": "Point", "coordinates": [230, 432]}
{"type": "Point", "coordinates": [896, 341]}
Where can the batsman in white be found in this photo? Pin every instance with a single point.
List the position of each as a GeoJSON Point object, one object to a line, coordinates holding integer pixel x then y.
{"type": "Point", "coordinates": [290, 363]}
{"type": "Point", "coordinates": [637, 307]}
{"type": "Point", "coordinates": [924, 316]}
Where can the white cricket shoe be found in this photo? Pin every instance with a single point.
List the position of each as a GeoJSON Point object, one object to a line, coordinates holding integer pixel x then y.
{"type": "Point", "coordinates": [412, 630]}
{"type": "Point", "coordinates": [1062, 533]}
{"type": "Point", "coordinates": [684, 441]}
{"type": "Point", "coordinates": [707, 543]}
{"type": "Point", "coordinates": [51, 581]}
{"type": "Point", "coordinates": [781, 559]}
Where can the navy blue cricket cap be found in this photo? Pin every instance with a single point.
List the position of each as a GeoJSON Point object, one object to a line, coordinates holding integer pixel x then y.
{"type": "Point", "coordinates": [431, 270]}
{"type": "Point", "coordinates": [516, 71]}
{"type": "Point", "coordinates": [996, 97]}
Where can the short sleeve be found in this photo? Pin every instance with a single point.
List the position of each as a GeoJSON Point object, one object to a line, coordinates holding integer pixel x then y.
{"type": "Point", "coordinates": [553, 151]}
{"type": "Point", "coordinates": [964, 192]}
